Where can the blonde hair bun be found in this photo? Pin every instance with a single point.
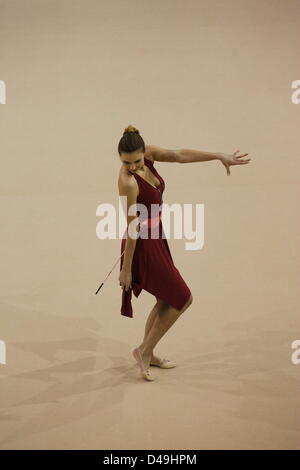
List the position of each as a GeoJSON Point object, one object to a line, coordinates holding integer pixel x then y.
{"type": "Point", "coordinates": [130, 128]}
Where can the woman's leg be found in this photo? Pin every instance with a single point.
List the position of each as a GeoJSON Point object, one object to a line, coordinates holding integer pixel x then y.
{"type": "Point", "coordinates": [160, 305]}
{"type": "Point", "coordinates": [151, 318]}
{"type": "Point", "coordinates": [160, 320]}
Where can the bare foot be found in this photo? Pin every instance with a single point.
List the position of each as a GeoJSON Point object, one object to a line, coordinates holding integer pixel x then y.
{"type": "Point", "coordinates": [143, 362]}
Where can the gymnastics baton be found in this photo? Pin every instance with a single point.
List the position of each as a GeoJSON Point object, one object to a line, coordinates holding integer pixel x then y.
{"type": "Point", "coordinates": [108, 274]}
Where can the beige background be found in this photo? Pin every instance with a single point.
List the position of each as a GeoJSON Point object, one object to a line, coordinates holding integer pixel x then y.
{"type": "Point", "coordinates": [207, 75]}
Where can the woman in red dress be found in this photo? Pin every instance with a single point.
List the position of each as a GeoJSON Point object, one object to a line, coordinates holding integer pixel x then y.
{"type": "Point", "coordinates": [146, 262]}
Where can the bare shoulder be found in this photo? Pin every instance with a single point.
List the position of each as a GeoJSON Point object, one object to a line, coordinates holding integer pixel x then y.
{"type": "Point", "coordinates": [127, 184]}
{"type": "Point", "coordinates": [149, 152]}
{"type": "Point", "coordinates": [159, 154]}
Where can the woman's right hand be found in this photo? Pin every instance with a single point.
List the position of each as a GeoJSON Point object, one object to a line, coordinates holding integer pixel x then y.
{"type": "Point", "coordinates": [125, 279]}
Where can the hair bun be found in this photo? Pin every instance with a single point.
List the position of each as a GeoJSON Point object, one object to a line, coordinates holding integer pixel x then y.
{"type": "Point", "coordinates": [131, 128]}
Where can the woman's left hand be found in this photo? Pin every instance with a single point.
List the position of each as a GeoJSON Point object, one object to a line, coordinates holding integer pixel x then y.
{"type": "Point", "coordinates": [228, 159]}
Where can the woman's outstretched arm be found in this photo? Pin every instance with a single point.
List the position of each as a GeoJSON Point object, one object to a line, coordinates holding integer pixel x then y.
{"type": "Point", "coordinates": [192, 156]}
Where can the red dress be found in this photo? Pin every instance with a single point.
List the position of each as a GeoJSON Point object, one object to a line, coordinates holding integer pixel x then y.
{"type": "Point", "coordinates": [152, 267]}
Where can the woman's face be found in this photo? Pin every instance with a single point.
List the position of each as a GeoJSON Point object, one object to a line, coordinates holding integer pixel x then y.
{"type": "Point", "coordinates": [133, 161]}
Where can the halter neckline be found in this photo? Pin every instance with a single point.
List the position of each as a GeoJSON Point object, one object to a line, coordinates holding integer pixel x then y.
{"type": "Point", "coordinates": [154, 187]}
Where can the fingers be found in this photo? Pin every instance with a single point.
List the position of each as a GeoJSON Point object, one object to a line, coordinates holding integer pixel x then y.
{"type": "Point", "coordinates": [240, 156]}
{"type": "Point", "coordinates": [227, 168]}
{"type": "Point", "coordinates": [240, 162]}
{"type": "Point", "coordinates": [125, 286]}
{"type": "Point", "coordinates": [235, 160]}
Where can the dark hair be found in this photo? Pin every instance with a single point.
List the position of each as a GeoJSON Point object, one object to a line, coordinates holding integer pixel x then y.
{"type": "Point", "coordinates": [131, 141]}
